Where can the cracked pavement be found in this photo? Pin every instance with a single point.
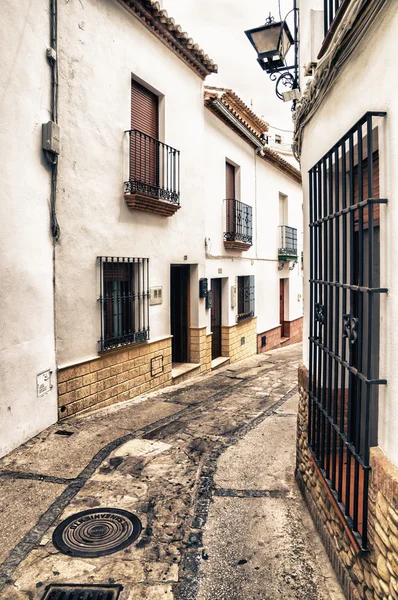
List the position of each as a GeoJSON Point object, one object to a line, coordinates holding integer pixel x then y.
{"type": "Point", "coordinates": [208, 467]}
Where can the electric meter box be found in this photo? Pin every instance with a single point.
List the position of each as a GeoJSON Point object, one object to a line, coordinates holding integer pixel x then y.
{"type": "Point", "coordinates": [203, 284]}
{"type": "Point", "coordinates": [51, 137]}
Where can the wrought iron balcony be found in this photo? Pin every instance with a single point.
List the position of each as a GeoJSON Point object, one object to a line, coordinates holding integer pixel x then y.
{"type": "Point", "coordinates": [287, 243]}
{"type": "Point", "coordinates": [331, 8]}
{"type": "Point", "coordinates": [238, 234]}
{"type": "Point", "coordinates": [154, 175]}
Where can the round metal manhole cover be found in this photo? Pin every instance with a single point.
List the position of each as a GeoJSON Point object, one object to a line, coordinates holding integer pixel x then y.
{"type": "Point", "coordinates": [96, 532]}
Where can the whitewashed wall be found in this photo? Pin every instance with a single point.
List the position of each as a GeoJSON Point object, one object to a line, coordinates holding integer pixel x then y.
{"type": "Point", "coordinates": [26, 294]}
{"type": "Point", "coordinates": [102, 46]}
{"type": "Point", "coordinates": [259, 185]}
{"type": "Point", "coordinates": [364, 85]}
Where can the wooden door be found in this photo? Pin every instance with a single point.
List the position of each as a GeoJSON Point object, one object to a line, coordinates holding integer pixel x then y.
{"type": "Point", "coordinates": [282, 306]}
{"type": "Point", "coordinates": [144, 149]}
{"type": "Point", "coordinates": [216, 319]}
{"type": "Point", "coordinates": [179, 311]}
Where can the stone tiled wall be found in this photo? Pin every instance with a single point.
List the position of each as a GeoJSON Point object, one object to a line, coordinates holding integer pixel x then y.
{"type": "Point", "coordinates": [231, 340]}
{"type": "Point", "coordinates": [273, 339]}
{"type": "Point", "coordinates": [114, 377]}
{"type": "Point", "coordinates": [200, 348]}
{"type": "Point", "coordinates": [370, 576]}
{"type": "Point", "coordinates": [293, 330]}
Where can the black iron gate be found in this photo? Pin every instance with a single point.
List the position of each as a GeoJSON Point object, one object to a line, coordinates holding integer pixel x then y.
{"type": "Point", "coordinates": [344, 316]}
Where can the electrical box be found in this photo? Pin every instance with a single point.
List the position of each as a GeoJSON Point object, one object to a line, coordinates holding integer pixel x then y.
{"type": "Point", "coordinates": [155, 295]}
{"type": "Point", "coordinates": [233, 296]}
{"type": "Point", "coordinates": [209, 299]}
{"type": "Point", "coordinates": [51, 137]}
{"type": "Point", "coordinates": [43, 383]}
{"type": "Point", "coordinates": [203, 284]}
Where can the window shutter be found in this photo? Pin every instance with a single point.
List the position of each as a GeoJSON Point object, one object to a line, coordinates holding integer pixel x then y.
{"type": "Point", "coordinates": [144, 150]}
{"type": "Point", "coordinates": [252, 295]}
{"type": "Point", "coordinates": [144, 110]}
{"type": "Point", "coordinates": [229, 180]}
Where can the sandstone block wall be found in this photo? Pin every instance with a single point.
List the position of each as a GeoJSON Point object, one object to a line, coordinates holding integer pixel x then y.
{"type": "Point", "coordinates": [231, 340]}
{"type": "Point", "coordinates": [373, 575]}
{"type": "Point", "coordinates": [114, 377]}
{"type": "Point", "coordinates": [200, 348]}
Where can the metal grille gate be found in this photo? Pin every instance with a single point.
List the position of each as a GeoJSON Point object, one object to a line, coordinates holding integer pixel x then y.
{"type": "Point", "coordinates": [344, 316]}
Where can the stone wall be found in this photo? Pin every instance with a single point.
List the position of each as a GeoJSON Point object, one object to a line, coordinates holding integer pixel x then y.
{"type": "Point", "coordinates": [292, 329]}
{"type": "Point", "coordinates": [114, 377]}
{"type": "Point", "coordinates": [200, 348]}
{"type": "Point", "coordinates": [231, 340]}
{"type": "Point", "coordinates": [373, 575]}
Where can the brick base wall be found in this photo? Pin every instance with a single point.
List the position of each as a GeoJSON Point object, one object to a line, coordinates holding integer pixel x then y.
{"type": "Point", "coordinates": [114, 377]}
{"type": "Point", "coordinates": [200, 348]}
{"type": "Point", "coordinates": [231, 340]}
{"type": "Point", "coordinates": [371, 576]}
{"type": "Point", "coordinates": [293, 330]}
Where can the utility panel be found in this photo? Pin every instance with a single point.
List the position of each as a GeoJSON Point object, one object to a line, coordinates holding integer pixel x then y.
{"type": "Point", "coordinates": [51, 137]}
{"type": "Point", "coordinates": [233, 296]}
{"type": "Point", "coordinates": [155, 295]}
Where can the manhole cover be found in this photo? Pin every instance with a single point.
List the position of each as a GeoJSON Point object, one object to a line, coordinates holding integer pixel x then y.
{"type": "Point", "coordinates": [96, 532]}
{"type": "Point", "coordinates": [65, 591]}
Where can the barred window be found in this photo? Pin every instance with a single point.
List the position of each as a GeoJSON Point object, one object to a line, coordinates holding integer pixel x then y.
{"type": "Point", "coordinates": [124, 301]}
{"type": "Point", "coordinates": [246, 295]}
{"type": "Point", "coordinates": [345, 291]}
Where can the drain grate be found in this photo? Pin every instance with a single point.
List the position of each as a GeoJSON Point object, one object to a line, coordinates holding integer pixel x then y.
{"type": "Point", "coordinates": [96, 532]}
{"type": "Point", "coordinates": [65, 591]}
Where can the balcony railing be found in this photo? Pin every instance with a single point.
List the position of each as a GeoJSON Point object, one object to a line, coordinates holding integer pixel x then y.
{"type": "Point", "coordinates": [154, 168]}
{"type": "Point", "coordinates": [238, 224]}
{"type": "Point", "coordinates": [330, 10]}
{"type": "Point", "coordinates": [287, 243]}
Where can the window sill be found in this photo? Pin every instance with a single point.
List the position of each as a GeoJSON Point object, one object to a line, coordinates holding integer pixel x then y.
{"type": "Point", "coordinates": [237, 245]}
{"type": "Point", "coordinates": [150, 204]}
{"type": "Point", "coordinates": [244, 317]}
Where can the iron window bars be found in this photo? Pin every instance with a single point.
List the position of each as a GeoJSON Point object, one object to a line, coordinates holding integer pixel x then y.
{"type": "Point", "coordinates": [238, 222]}
{"type": "Point", "coordinates": [287, 242]}
{"type": "Point", "coordinates": [246, 298]}
{"type": "Point", "coordinates": [344, 316]}
{"type": "Point", "coordinates": [124, 301]}
{"type": "Point", "coordinates": [154, 168]}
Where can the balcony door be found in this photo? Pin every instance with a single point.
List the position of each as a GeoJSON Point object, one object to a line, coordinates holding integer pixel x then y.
{"type": "Point", "coordinates": [144, 165]}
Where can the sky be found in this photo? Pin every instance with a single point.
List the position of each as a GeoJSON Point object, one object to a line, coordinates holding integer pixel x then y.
{"type": "Point", "coordinates": [218, 27]}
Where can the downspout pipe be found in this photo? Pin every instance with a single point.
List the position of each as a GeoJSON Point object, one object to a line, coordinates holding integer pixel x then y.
{"type": "Point", "coordinates": [220, 106]}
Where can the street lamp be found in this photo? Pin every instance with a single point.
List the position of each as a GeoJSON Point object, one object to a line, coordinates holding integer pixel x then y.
{"type": "Point", "coordinates": [272, 41]}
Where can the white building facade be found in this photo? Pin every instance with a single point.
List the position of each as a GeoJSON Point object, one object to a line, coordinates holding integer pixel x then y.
{"type": "Point", "coordinates": [346, 135]}
{"type": "Point", "coordinates": [117, 295]}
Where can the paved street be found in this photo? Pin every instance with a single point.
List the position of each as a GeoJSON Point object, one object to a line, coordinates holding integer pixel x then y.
{"type": "Point", "coordinates": [208, 467]}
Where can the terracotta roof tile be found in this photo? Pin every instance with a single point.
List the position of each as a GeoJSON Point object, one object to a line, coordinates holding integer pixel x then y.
{"type": "Point", "coordinates": [156, 19]}
{"type": "Point", "coordinates": [256, 126]}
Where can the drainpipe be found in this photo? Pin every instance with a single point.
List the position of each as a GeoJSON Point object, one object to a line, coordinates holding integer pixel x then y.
{"type": "Point", "coordinates": [52, 158]}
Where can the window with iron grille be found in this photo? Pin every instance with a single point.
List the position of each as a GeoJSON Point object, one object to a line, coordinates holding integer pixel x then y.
{"type": "Point", "coordinates": [345, 294]}
{"type": "Point", "coordinates": [124, 301]}
{"type": "Point", "coordinates": [246, 296]}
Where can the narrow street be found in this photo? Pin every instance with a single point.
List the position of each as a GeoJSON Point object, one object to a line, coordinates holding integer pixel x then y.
{"type": "Point", "coordinates": [208, 468]}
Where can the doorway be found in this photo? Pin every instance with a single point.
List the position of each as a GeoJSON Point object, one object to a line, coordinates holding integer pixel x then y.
{"type": "Point", "coordinates": [282, 306]}
{"type": "Point", "coordinates": [216, 319]}
{"type": "Point", "coordinates": [179, 304]}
